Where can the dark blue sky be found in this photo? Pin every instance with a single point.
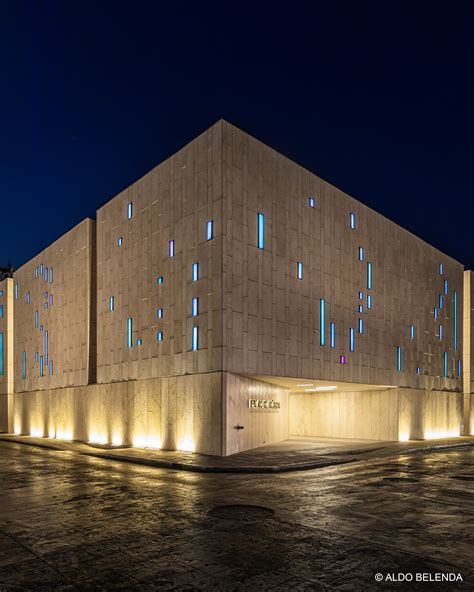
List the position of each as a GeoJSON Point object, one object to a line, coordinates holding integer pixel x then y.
{"type": "Point", "coordinates": [375, 97]}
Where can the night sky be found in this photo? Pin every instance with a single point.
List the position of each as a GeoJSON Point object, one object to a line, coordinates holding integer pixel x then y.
{"type": "Point", "coordinates": [375, 97]}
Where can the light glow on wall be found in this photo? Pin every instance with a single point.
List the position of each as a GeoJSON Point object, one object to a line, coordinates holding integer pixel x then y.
{"type": "Point", "coordinates": [97, 438]}
{"type": "Point", "coordinates": [186, 445]}
{"type": "Point", "coordinates": [117, 439]}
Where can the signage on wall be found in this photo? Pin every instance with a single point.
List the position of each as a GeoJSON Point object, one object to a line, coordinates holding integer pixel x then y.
{"type": "Point", "coordinates": [263, 404]}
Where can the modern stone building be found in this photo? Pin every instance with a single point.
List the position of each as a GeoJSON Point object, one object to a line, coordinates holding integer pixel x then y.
{"type": "Point", "coordinates": [229, 299]}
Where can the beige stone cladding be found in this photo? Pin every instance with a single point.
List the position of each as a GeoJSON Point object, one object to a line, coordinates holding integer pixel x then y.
{"type": "Point", "coordinates": [384, 414]}
{"type": "Point", "coordinates": [141, 280]}
{"type": "Point", "coordinates": [54, 331]}
{"type": "Point", "coordinates": [173, 413]}
{"type": "Point", "coordinates": [272, 319]}
{"type": "Point", "coordinates": [6, 353]}
{"type": "Point", "coordinates": [250, 425]}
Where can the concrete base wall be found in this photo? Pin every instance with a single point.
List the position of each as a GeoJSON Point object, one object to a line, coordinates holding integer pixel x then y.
{"type": "Point", "coordinates": [390, 414]}
{"type": "Point", "coordinates": [261, 425]}
{"type": "Point", "coordinates": [429, 414]}
{"type": "Point", "coordinates": [6, 416]}
{"type": "Point", "coordinates": [172, 413]}
{"type": "Point", "coordinates": [368, 415]}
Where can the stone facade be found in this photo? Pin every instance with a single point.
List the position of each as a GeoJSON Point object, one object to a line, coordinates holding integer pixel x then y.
{"type": "Point", "coordinates": [225, 264]}
{"type": "Point", "coordinates": [54, 336]}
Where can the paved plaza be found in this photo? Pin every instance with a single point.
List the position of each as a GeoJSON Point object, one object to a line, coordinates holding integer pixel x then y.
{"type": "Point", "coordinates": [71, 522]}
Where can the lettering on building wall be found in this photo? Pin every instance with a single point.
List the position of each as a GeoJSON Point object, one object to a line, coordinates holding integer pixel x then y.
{"type": "Point", "coordinates": [263, 404]}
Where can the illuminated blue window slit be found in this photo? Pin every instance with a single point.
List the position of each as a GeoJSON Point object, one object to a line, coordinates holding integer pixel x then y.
{"type": "Point", "coordinates": [361, 253]}
{"type": "Point", "coordinates": [352, 220]}
{"type": "Point", "coordinates": [412, 331]}
{"type": "Point", "coordinates": [23, 365]}
{"type": "Point", "coordinates": [159, 336]}
{"type": "Point", "coordinates": [455, 296]}
{"type": "Point", "coordinates": [159, 280]}
{"type": "Point", "coordinates": [261, 231]}
{"type": "Point", "coordinates": [111, 303]}
{"type": "Point", "coordinates": [311, 202]}
{"type": "Point", "coordinates": [129, 331]}
{"type": "Point", "coordinates": [171, 248]}
{"type": "Point", "coordinates": [369, 276]}
{"type": "Point", "coordinates": [322, 322]}
{"type": "Point", "coordinates": [399, 359]}
{"type": "Point", "coordinates": [209, 230]}
{"type": "Point", "coordinates": [130, 210]}
{"type": "Point", "coordinates": [332, 334]}
{"type": "Point", "coordinates": [195, 307]}
{"type": "Point", "coordinates": [445, 364]}
{"type": "Point", "coordinates": [159, 313]}
{"type": "Point", "coordinates": [195, 272]}
{"type": "Point", "coordinates": [351, 339]}
{"type": "Point", "coordinates": [361, 325]}
{"type": "Point", "coordinates": [195, 338]}
{"type": "Point", "coordinates": [299, 270]}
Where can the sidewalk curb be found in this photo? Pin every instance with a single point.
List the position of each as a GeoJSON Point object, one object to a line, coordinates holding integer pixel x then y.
{"type": "Point", "coordinates": [321, 463]}
{"type": "Point", "coordinates": [165, 464]}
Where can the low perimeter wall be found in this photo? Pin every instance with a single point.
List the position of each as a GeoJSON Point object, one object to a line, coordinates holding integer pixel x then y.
{"type": "Point", "coordinates": [388, 414]}
{"type": "Point", "coordinates": [182, 412]}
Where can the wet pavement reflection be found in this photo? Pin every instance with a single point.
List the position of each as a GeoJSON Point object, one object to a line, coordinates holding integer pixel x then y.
{"type": "Point", "coordinates": [70, 522]}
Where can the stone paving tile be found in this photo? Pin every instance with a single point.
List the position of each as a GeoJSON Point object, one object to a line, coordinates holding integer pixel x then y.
{"type": "Point", "coordinates": [77, 523]}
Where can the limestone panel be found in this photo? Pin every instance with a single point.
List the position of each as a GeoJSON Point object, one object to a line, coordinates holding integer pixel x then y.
{"type": "Point", "coordinates": [52, 308]}
{"type": "Point", "coordinates": [248, 426]}
{"type": "Point", "coordinates": [148, 238]}
{"type": "Point", "coordinates": [171, 413]}
{"type": "Point", "coordinates": [272, 319]}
